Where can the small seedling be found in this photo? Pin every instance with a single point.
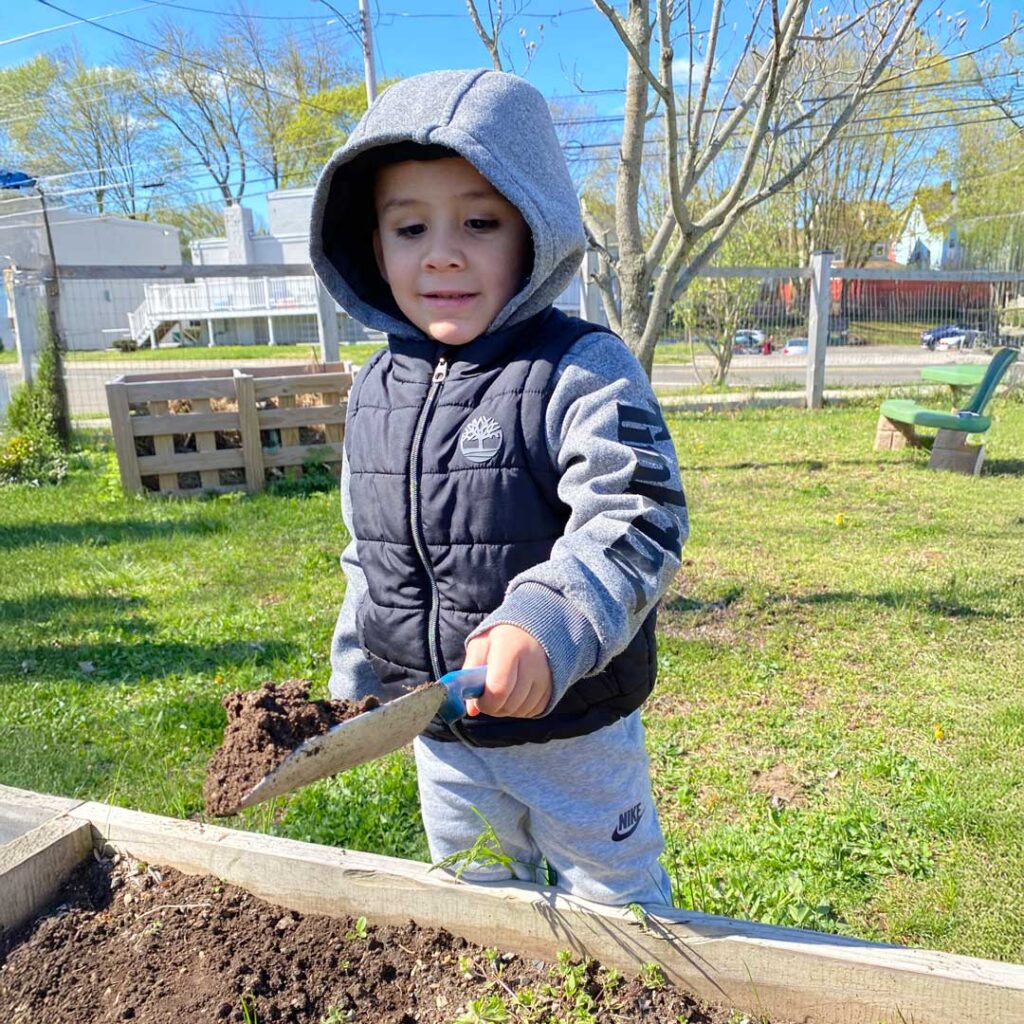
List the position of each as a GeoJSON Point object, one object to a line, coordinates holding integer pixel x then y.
{"type": "Point", "coordinates": [652, 976]}
{"type": "Point", "coordinates": [358, 930]}
{"type": "Point", "coordinates": [486, 1010]}
{"type": "Point", "coordinates": [248, 1012]}
{"type": "Point", "coordinates": [336, 1015]}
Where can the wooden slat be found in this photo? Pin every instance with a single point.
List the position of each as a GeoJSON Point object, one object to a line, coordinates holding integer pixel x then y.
{"type": "Point", "coordinates": [289, 439]}
{"type": "Point", "coordinates": [165, 455]}
{"type": "Point", "coordinates": [297, 455]}
{"type": "Point", "coordinates": [185, 422]}
{"type": "Point", "coordinates": [252, 449]}
{"type": "Point", "coordinates": [757, 969]}
{"type": "Point", "coordinates": [191, 462]}
{"type": "Point", "coordinates": [302, 416]}
{"type": "Point", "coordinates": [215, 373]}
{"type": "Point", "coordinates": [158, 391]}
{"type": "Point", "coordinates": [308, 383]}
{"type": "Point", "coordinates": [335, 429]}
{"type": "Point", "coordinates": [206, 442]}
{"type": "Point", "coordinates": [124, 439]}
{"type": "Point", "coordinates": [34, 865]}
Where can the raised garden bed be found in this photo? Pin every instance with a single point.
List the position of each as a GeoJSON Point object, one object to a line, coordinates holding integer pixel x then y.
{"type": "Point", "coordinates": [784, 974]}
{"type": "Point", "coordinates": [226, 430]}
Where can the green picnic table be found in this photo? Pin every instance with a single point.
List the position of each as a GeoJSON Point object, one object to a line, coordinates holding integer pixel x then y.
{"type": "Point", "coordinates": [957, 375]}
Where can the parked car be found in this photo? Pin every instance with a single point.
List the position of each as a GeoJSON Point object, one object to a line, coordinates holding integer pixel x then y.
{"type": "Point", "coordinates": [746, 344]}
{"type": "Point", "coordinates": [757, 335]}
{"type": "Point", "coordinates": [796, 347]}
{"type": "Point", "coordinates": [931, 337]}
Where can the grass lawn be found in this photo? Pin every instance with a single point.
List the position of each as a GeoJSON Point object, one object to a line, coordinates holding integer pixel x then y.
{"type": "Point", "coordinates": [837, 736]}
{"type": "Point", "coordinates": [296, 353]}
{"type": "Point", "coordinates": [886, 332]}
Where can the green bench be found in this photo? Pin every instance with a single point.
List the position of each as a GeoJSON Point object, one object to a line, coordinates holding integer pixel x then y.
{"type": "Point", "coordinates": [900, 418]}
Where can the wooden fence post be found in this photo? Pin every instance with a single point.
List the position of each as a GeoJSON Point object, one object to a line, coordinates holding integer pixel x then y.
{"type": "Point", "coordinates": [249, 426]}
{"type": "Point", "coordinates": [817, 326]}
{"type": "Point", "coordinates": [124, 436]}
{"type": "Point", "coordinates": [326, 323]}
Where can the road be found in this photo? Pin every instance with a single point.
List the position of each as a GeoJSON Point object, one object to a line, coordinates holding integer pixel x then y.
{"type": "Point", "coordinates": [868, 366]}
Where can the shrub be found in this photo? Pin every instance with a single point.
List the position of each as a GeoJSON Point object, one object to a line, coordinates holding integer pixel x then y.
{"type": "Point", "coordinates": [125, 345]}
{"type": "Point", "coordinates": [32, 457]}
{"type": "Point", "coordinates": [34, 448]}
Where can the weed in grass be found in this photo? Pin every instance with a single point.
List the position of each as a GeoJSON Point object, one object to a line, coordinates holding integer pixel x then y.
{"type": "Point", "coordinates": [487, 851]}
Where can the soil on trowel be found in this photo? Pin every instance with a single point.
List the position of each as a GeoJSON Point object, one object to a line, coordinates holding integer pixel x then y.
{"type": "Point", "coordinates": [264, 727]}
{"type": "Point", "coordinates": [127, 942]}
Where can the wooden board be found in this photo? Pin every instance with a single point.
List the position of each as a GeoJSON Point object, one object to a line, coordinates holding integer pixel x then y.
{"type": "Point", "coordinates": [759, 969]}
{"type": "Point", "coordinates": [34, 865]}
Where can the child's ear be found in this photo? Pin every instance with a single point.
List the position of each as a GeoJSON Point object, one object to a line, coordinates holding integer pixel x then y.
{"type": "Point", "coordinates": [378, 252]}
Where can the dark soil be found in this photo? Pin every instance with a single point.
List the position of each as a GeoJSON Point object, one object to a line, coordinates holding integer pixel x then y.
{"type": "Point", "coordinates": [264, 727]}
{"type": "Point", "coordinates": [129, 942]}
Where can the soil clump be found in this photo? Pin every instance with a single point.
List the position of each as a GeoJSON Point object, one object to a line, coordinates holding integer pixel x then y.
{"type": "Point", "coordinates": [127, 942]}
{"type": "Point", "coordinates": [264, 727]}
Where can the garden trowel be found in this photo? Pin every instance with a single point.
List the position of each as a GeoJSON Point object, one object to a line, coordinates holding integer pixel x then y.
{"type": "Point", "coordinates": [370, 735]}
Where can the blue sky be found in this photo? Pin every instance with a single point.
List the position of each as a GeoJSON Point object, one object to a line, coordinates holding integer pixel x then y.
{"type": "Point", "coordinates": [410, 36]}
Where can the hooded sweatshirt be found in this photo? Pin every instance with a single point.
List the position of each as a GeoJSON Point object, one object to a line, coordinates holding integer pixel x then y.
{"type": "Point", "coordinates": [617, 483]}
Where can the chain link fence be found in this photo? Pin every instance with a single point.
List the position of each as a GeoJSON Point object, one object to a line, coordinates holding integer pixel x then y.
{"type": "Point", "coordinates": [742, 326]}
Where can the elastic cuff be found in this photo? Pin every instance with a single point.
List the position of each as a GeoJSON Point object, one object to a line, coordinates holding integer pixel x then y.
{"type": "Point", "coordinates": [568, 638]}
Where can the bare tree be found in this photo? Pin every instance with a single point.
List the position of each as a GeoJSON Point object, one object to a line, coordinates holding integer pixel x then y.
{"type": "Point", "coordinates": [740, 118]}
{"type": "Point", "coordinates": [498, 17]}
{"type": "Point", "coordinates": [191, 88]}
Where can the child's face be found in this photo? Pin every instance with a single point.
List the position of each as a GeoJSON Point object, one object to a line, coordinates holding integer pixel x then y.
{"type": "Point", "coordinates": [452, 249]}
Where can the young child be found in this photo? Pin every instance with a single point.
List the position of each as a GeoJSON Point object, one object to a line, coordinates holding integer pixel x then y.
{"type": "Point", "coordinates": [510, 488]}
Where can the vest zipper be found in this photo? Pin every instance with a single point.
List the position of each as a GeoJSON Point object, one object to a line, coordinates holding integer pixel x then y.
{"type": "Point", "coordinates": [415, 465]}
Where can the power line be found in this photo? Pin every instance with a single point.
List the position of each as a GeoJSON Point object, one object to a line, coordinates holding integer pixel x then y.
{"type": "Point", "coordinates": [69, 24]}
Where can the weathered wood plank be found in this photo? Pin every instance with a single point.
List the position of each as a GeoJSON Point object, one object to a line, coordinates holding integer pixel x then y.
{"type": "Point", "coordinates": [190, 462]}
{"type": "Point", "coordinates": [302, 416]}
{"type": "Point", "coordinates": [296, 455]}
{"type": "Point", "coordinates": [248, 418]}
{"type": "Point", "coordinates": [165, 454]}
{"type": "Point", "coordinates": [34, 865]}
{"type": "Point", "coordinates": [302, 384]}
{"type": "Point", "coordinates": [124, 440]}
{"type": "Point", "coordinates": [184, 423]}
{"type": "Point", "coordinates": [165, 390]}
{"type": "Point", "coordinates": [758, 969]}
{"type": "Point", "coordinates": [206, 443]}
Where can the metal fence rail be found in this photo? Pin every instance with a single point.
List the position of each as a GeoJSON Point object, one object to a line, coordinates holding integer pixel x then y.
{"type": "Point", "coordinates": [755, 326]}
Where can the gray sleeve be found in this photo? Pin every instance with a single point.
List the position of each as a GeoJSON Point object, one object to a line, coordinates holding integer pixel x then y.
{"type": "Point", "coordinates": [628, 520]}
{"type": "Point", "coordinates": [352, 676]}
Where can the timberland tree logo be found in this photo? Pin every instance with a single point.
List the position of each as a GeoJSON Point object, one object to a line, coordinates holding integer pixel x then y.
{"type": "Point", "coordinates": [629, 822]}
{"type": "Point", "coordinates": [480, 439]}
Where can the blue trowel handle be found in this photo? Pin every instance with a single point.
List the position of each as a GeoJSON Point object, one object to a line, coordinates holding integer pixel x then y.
{"type": "Point", "coordinates": [462, 683]}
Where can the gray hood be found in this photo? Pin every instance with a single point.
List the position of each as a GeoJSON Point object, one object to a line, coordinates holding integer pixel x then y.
{"type": "Point", "coordinates": [501, 125]}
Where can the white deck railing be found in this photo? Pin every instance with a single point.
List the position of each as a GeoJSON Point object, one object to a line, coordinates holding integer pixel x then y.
{"type": "Point", "coordinates": [217, 297]}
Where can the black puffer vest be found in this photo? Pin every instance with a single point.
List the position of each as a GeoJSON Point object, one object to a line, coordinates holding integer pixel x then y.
{"type": "Point", "coordinates": [453, 494]}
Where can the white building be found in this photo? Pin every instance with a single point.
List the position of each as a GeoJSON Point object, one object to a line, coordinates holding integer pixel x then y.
{"type": "Point", "coordinates": [928, 246]}
{"type": "Point", "coordinates": [271, 309]}
{"type": "Point", "coordinates": [93, 313]}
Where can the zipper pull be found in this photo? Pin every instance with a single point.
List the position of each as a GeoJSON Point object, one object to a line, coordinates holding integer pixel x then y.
{"type": "Point", "coordinates": [440, 371]}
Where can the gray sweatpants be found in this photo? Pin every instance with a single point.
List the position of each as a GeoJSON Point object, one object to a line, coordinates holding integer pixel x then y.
{"type": "Point", "coordinates": [583, 805]}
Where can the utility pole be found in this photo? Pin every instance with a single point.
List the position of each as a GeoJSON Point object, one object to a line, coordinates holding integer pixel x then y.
{"type": "Point", "coordinates": [368, 69]}
{"type": "Point", "coordinates": [365, 37]}
{"type": "Point", "coordinates": [51, 288]}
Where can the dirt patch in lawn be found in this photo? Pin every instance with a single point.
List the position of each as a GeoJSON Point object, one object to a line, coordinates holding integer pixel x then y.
{"type": "Point", "coordinates": [264, 727]}
{"type": "Point", "coordinates": [125, 942]}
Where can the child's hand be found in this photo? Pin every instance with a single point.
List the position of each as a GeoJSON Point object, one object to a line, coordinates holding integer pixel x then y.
{"type": "Point", "coordinates": [518, 674]}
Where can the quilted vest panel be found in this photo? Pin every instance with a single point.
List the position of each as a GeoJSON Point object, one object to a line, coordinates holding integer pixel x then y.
{"type": "Point", "coordinates": [454, 494]}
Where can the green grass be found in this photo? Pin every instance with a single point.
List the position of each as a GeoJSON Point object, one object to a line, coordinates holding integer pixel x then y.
{"type": "Point", "coordinates": [7, 356]}
{"type": "Point", "coordinates": [885, 332]}
{"type": "Point", "coordinates": [298, 353]}
{"type": "Point", "coordinates": [837, 735]}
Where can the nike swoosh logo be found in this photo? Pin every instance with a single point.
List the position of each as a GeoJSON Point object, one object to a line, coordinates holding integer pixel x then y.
{"type": "Point", "coordinates": [618, 836]}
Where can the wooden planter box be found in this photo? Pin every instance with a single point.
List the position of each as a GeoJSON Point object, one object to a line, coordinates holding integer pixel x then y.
{"type": "Point", "coordinates": [782, 972]}
{"type": "Point", "coordinates": [222, 430]}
